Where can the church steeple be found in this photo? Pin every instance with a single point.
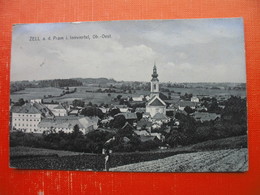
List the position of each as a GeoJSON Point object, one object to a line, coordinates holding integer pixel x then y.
{"type": "Point", "coordinates": [154, 82]}
{"type": "Point", "coordinates": [154, 75]}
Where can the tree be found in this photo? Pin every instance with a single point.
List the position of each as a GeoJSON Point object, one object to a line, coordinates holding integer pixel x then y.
{"type": "Point", "coordinates": [139, 116]}
{"type": "Point", "coordinates": [76, 132]}
{"type": "Point", "coordinates": [235, 110]}
{"type": "Point", "coordinates": [119, 121]}
{"type": "Point", "coordinates": [175, 138]}
{"type": "Point", "coordinates": [119, 97]}
{"type": "Point", "coordinates": [78, 103]}
{"type": "Point", "coordinates": [113, 112]}
{"type": "Point", "coordinates": [162, 96]}
{"type": "Point", "coordinates": [92, 111]}
{"type": "Point", "coordinates": [188, 109]}
{"type": "Point", "coordinates": [20, 102]}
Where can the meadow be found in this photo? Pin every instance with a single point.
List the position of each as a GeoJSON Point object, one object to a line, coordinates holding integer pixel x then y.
{"type": "Point", "coordinates": [88, 94]}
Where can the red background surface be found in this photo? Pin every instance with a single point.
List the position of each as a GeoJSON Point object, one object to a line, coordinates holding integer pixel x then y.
{"type": "Point", "coordinates": [76, 182]}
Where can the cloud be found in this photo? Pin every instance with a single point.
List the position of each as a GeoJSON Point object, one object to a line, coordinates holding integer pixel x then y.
{"type": "Point", "coordinates": [198, 50]}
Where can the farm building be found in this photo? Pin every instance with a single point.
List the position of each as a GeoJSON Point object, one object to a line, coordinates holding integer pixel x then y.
{"type": "Point", "coordinates": [57, 109]}
{"type": "Point", "coordinates": [67, 124]}
{"type": "Point", "coordinates": [138, 98]}
{"type": "Point", "coordinates": [194, 99]}
{"type": "Point", "coordinates": [205, 116]}
{"type": "Point", "coordinates": [129, 116]}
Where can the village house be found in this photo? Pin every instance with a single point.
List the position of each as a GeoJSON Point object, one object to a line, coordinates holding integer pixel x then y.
{"type": "Point", "coordinates": [123, 108]}
{"type": "Point", "coordinates": [57, 109]}
{"type": "Point", "coordinates": [36, 101]}
{"type": "Point", "coordinates": [67, 124]}
{"type": "Point", "coordinates": [140, 110]}
{"type": "Point", "coordinates": [194, 99]}
{"type": "Point", "coordinates": [205, 116]}
{"type": "Point", "coordinates": [183, 104]}
{"type": "Point", "coordinates": [104, 109]}
{"type": "Point", "coordinates": [138, 98]}
{"type": "Point", "coordinates": [130, 117]}
{"type": "Point", "coordinates": [144, 124]}
{"type": "Point", "coordinates": [142, 132]}
{"type": "Point", "coordinates": [73, 112]}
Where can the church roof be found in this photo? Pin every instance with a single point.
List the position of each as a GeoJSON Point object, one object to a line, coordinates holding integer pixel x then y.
{"type": "Point", "coordinates": [156, 101]}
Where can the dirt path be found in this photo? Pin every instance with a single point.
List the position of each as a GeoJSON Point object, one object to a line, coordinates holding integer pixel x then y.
{"type": "Point", "coordinates": [231, 160]}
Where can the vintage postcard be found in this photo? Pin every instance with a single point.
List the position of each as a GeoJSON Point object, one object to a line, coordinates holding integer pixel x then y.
{"type": "Point", "coordinates": [139, 96]}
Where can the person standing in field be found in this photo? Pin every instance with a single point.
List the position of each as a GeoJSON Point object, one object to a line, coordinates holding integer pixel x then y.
{"type": "Point", "coordinates": [107, 150]}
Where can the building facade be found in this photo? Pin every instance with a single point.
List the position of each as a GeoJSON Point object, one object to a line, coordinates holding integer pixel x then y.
{"type": "Point", "coordinates": [25, 118]}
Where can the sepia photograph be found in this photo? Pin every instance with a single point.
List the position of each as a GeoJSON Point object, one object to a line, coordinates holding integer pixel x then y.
{"type": "Point", "coordinates": [129, 96]}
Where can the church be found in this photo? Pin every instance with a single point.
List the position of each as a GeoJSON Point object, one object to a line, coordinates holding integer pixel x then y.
{"type": "Point", "coordinates": [155, 106]}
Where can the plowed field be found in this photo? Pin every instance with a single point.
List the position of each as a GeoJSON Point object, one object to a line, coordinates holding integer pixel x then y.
{"type": "Point", "coordinates": [231, 160]}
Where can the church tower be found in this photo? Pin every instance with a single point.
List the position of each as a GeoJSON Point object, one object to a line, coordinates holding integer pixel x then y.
{"type": "Point", "coordinates": [156, 107]}
{"type": "Point", "coordinates": [154, 83]}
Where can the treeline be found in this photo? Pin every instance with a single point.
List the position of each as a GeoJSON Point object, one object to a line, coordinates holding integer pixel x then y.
{"type": "Point", "coordinates": [59, 83]}
{"type": "Point", "coordinates": [21, 85]}
{"type": "Point", "coordinates": [92, 142]}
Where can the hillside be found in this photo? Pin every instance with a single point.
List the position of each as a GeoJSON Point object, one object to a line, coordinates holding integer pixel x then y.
{"type": "Point", "coordinates": [231, 160]}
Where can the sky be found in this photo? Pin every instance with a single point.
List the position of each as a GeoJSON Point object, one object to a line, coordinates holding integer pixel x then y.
{"type": "Point", "coordinates": [187, 50]}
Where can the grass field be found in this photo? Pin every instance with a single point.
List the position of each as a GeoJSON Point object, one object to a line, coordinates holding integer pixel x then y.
{"type": "Point", "coordinates": [98, 98]}
{"type": "Point", "coordinates": [35, 93]}
{"type": "Point", "coordinates": [20, 151]}
{"type": "Point", "coordinates": [232, 150]}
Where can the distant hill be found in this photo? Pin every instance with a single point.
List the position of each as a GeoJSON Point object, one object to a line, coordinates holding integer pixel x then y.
{"type": "Point", "coordinates": [95, 80]}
